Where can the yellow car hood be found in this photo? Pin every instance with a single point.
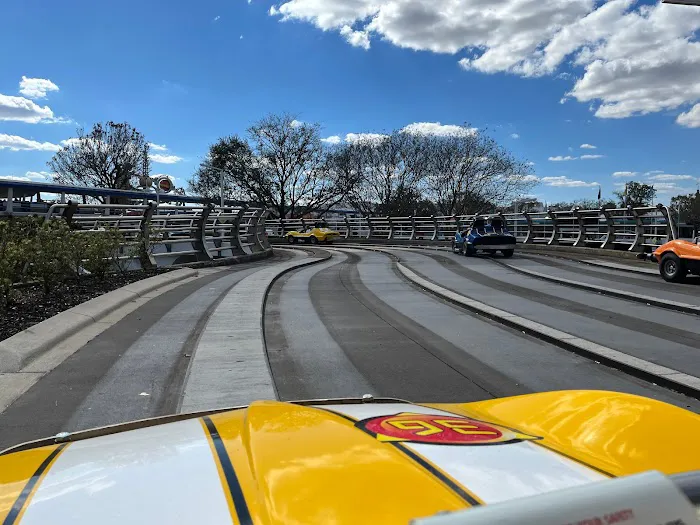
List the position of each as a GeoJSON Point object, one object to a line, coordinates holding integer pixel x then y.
{"type": "Point", "coordinates": [345, 462]}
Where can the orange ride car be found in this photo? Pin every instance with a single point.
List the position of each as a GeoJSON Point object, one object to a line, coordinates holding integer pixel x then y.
{"type": "Point", "coordinates": [678, 258]}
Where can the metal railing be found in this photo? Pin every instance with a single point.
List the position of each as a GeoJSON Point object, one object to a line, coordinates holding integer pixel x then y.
{"type": "Point", "coordinates": [163, 235]}
{"type": "Point", "coordinates": [633, 229]}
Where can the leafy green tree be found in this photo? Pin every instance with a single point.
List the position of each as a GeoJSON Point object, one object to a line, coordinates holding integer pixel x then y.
{"type": "Point", "coordinates": [688, 208]}
{"type": "Point", "coordinates": [636, 194]}
{"type": "Point", "coordinates": [232, 158]}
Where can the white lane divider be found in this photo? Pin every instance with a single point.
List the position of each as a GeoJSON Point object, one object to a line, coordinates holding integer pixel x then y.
{"type": "Point", "coordinates": [229, 367]}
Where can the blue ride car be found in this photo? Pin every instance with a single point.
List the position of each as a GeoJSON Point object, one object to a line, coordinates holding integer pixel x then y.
{"type": "Point", "coordinates": [487, 234]}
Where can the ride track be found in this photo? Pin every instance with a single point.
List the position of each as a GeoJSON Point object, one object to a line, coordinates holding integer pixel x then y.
{"type": "Point", "coordinates": [352, 323]}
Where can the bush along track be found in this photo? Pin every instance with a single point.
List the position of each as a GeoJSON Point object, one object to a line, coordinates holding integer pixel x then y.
{"type": "Point", "coordinates": [47, 268]}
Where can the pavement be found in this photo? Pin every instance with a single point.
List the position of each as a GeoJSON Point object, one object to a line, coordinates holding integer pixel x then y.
{"type": "Point", "coordinates": [340, 321]}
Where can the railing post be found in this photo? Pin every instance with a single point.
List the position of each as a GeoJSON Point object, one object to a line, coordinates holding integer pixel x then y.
{"type": "Point", "coordinates": [254, 221]}
{"type": "Point", "coordinates": [554, 239]}
{"type": "Point", "coordinates": [610, 225]}
{"type": "Point", "coordinates": [581, 228]}
{"type": "Point", "coordinates": [303, 225]}
{"type": "Point", "coordinates": [390, 236]}
{"type": "Point", "coordinates": [200, 234]}
{"type": "Point", "coordinates": [261, 231]}
{"type": "Point", "coordinates": [530, 237]}
{"type": "Point", "coordinates": [108, 201]}
{"type": "Point", "coordinates": [145, 253]}
{"type": "Point", "coordinates": [436, 228]}
{"type": "Point", "coordinates": [413, 228]}
{"type": "Point", "coordinates": [69, 212]}
{"type": "Point", "coordinates": [671, 226]}
{"type": "Point", "coordinates": [638, 230]}
{"type": "Point", "coordinates": [370, 230]}
{"type": "Point", "coordinates": [10, 196]}
{"type": "Point", "coordinates": [347, 226]}
{"type": "Point", "coordinates": [236, 245]}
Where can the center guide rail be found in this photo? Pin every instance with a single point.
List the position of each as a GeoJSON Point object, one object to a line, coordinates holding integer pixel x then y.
{"type": "Point", "coordinates": [649, 498]}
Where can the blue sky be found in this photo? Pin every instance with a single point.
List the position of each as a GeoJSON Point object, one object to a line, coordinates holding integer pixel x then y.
{"type": "Point", "coordinates": [543, 77]}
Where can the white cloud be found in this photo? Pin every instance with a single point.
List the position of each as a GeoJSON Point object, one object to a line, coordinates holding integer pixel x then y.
{"type": "Point", "coordinates": [691, 118]}
{"type": "Point", "coordinates": [296, 123]}
{"type": "Point", "coordinates": [514, 136]}
{"type": "Point", "coordinates": [669, 177]}
{"type": "Point", "coordinates": [672, 188]}
{"type": "Point", "coordinates": [530, 163]}
{"type": "Point", "coordinates": [70, 142]}
{"type": "Point", "coordinates": [334, 139]}
{"type": "Point", "coordinates": [217, 18]}
{"type": "Point", "coordinates": [628, 49]}
{"type": "Point", "coordinates": [15, 143]}
{"type": "Point", "coordinates": [36, 87]}
{"type": "Point", "coordinates": [353, 138]}
{"type": "Point", "coordinates": [531, 178]}
{"type": "Point", "coordinates": [31, 176]}
{"type": "Point", "coordinates": [23, 110]}
{"type": "Point", "coordinates": [560, 158]}
{"type": "Point", "coordinates": [590, 157]}
{"type": "Point", "coordinates": [165, 159]}
{"type": "Point", "coordinates": [565, 182]}
{"type": "Point", "coordinates": [157, 147]}
{"type": "Point", "coordinates": [437, 129]}
{"type": "Point", "coordinates": [588, 146]}
{"type": "Point", "coordinates": [652, 172]}
{"type": "Point", "coordinates": [356, 38]}
{"type": "Point", "coordinates": [40, 176]}
{"type": "Point", "coordinates": [619, 174]}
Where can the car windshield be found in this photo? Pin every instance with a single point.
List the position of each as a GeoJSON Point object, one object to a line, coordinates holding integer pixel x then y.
{"type": "Point", "coordinates": [473, 222]}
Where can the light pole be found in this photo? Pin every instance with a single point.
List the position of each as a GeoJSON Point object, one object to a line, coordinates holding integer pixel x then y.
{"type": "Point", "coordinates": [221, 183]}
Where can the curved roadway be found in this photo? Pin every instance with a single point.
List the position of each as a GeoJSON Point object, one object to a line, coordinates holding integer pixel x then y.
{"type": "Point", "coordinates": [352, 325]}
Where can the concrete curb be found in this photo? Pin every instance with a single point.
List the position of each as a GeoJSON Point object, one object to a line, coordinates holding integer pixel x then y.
{"type": "Point", "coordinates": [17, 351]}
{"type": "Point", "coordinates": [229, 261]}
{"type": "Point", "coordinates": [230, 366]}
{"type": "Point", "coordinates": [660, 375]}
{"type": "Point", "coordinates": [620, 294]}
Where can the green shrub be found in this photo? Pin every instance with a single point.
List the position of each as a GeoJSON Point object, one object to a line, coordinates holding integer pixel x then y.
{"type": "Point", "coordinates": [50, 253]}
{"type": "Point", "coordinates": [100, 251]}
{"type": "Point", "coordinates": [14, 248]}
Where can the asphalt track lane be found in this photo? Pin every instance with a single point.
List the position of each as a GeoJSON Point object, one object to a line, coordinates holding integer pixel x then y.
{"type": "Point", "coordinates": [485, 349]}
{"type": "Point", "coordinates": [670, 325]}
{"type": "Point", "coordinates": [498, 292]}
{"type": "Point", "coordinates": [305, 360]}
{"type": "Point", "coordinates": [398, 358]}
{"type": "Point", "coordinates": [83, 392]}
{"type": "Point", "coordinates": [654, 286]}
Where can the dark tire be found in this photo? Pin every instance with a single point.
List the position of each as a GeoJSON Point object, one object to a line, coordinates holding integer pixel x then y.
{"type": "Point", "coordinates": [291, 240]}
{"type": "Point", "coordinates": [454, 247]}
{"type": "Point", "coordinates": [469, 251]}
{"type": "Point", "coordinates": [672, 268]}
{"type": "Point", "coordinates": [313, 240]}
{"type": "Point", "coordinates": [507, 253]}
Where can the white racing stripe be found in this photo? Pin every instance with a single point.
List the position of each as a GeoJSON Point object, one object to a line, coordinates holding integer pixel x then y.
{"type": "Point", "coordinates": [161, 474]}
{"type": "Point", "coordinates": [493, 473]}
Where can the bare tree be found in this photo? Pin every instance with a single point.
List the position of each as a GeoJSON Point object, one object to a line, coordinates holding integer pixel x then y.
{"type": "Point", "coordinates": [470, 172]}
{"type": "Point", "coordinates": [112, 155]}
{"type": "Point", "coordinates": [393, 170]}
{"type": "Point", "coordinates": [292, 161]}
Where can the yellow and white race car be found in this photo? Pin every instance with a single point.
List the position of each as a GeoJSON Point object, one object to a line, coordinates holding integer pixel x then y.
{"type": "Point", "coordinates": [369, 460]}
{"type": "Point", "coordinates": [320, 233]}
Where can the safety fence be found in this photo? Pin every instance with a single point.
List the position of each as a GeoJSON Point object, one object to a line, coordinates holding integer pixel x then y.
{"type": "Point", "coordinates": [633, 229]}
{"type": "Point", "coordinates": [163, 235]}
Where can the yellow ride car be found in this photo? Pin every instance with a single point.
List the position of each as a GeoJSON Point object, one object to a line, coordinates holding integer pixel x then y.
{"type": "Point", "coordinates": [320, 233]}
{"type": "Point", "coordinates": [350, 461]}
